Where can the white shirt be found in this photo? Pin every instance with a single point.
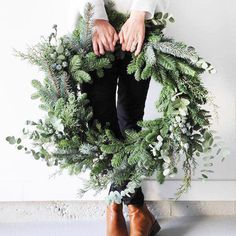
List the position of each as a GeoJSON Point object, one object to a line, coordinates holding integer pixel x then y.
{"type": "Point", "coordinates": [76, 8]}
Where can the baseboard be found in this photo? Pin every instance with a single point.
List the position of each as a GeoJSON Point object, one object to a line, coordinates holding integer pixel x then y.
{"type": "Point", "coordinates": [48, 211]}
{"type": "Point", "coordinates": [60, 189]}
{"type": "Point", "coordinates": [208, 190]}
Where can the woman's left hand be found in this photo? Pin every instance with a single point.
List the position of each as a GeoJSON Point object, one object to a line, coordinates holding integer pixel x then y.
{"type": "Point", "coordinates": [132, 33]}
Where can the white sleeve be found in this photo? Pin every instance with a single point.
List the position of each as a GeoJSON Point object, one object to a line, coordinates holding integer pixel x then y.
{"type": "Point", "coordinates": [99, 11]}
{"type": "Point", "coordinates": [75, 9]}
{"type": "Point", "coordinates": [145, 5]}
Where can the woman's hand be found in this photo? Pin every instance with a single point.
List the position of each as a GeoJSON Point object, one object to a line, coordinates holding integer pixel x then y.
{"type": "Point", "coordinates": [104, 37]}
{"type": "Point", "coordinates": [132, 33]}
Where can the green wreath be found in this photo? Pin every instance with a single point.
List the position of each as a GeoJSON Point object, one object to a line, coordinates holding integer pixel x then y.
{"type": "Point", "coordinates": [64, 137]}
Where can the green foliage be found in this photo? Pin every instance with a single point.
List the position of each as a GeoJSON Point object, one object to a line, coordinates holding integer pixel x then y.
{"type": "Point", "coordinates": [150, 55]}
{"type": "Point", "coordinates": [70, 138]}
{"type": "Point", "coordinates": [81, 76]}
{"type": "Point", "coordinates": [75, 63]}
{"type": "Point", "coordinates": [186, 69]}
{"type": "Point", "coordinates": [117, 160]}
{"type": "Point", "coordinates": [167, 61]}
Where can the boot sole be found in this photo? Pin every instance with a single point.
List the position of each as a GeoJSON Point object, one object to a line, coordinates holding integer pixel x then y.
{"type": "Point", "coordinates": [155, 229]}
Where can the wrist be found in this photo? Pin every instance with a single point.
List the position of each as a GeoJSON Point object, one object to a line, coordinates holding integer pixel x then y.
{"type": "Point", "coordinates": [138, 14]}
{"type": "Point", "coordinates": [99, 21]}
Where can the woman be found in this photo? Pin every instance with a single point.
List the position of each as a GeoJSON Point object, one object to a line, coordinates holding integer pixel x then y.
{"type": "Point", "coordinates": [131, 97]}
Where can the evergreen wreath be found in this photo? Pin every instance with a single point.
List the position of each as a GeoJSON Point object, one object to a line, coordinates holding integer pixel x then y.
{"type": "Point", "coordinates": [64, 137]}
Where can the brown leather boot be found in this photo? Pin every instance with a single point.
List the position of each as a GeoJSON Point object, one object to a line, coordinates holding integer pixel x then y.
{"type": "Point", "coordinates": [142, 222]}
{"type": "Point", "coordinates": [116, 225]}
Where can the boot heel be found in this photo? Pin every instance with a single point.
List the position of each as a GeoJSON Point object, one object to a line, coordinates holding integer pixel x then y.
{"type": "Point", "coordinates": [155, 229]}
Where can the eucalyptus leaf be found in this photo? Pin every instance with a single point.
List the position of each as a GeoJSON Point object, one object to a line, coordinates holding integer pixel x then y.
{"type": "Point", "coordinates": [171, 19]}
{"type": "Point", "coordinates": [11, 139]}
{"type": "Point", "coordinates": [204, 176]}
{"type": "Point", "coordinates": [18, 141]}
{"type": "Point", "coordinates": [20, 147]}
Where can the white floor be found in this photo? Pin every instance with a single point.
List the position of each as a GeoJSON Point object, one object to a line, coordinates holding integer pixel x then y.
{"type": "Point", "coordinates": [181, 226]}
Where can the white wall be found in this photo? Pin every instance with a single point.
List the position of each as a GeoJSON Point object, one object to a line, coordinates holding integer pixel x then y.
{"type": "Point", "coordinates": [208, 25]}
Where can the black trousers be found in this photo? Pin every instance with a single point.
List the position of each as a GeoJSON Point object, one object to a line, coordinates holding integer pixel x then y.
{"type": "Point", "coordinates": [131, 97]}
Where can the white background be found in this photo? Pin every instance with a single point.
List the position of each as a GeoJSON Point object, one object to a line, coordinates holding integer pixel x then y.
{"type": "Point", "coordinates": [208, 25]}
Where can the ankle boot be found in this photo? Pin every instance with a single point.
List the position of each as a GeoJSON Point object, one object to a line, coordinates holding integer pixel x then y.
{"type": "Point", "coordinates": [142, 222]}
{"type": "Point", "coordinates": [115, 220]}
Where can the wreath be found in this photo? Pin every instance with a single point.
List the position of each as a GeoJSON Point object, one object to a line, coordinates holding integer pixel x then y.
{"type": "Point", "coordinates": [65, 138]}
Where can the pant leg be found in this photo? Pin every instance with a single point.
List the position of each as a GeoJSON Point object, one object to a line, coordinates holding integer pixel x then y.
{"type": "Point", "coordinates": [102, 97]}
{"type": "Point", "coordinates": [136, 198]}
{"type": "Point", "coordinates": [130, 109]}
{"type": "Point", "coordinates": [132, 96]}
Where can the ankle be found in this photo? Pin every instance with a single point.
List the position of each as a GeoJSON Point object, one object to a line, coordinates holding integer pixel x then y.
{"type": "Point", "coordinates": [116, 205]}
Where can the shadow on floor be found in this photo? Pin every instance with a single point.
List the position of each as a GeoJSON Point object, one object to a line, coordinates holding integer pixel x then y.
{"type": "Point", "coordinates": [179, 226]}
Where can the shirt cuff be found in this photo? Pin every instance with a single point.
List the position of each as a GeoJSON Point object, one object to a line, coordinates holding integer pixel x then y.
{"type": "Point", "coordinates": [99, 12]}
{"type": "Point", "coordinates": [149, 6]}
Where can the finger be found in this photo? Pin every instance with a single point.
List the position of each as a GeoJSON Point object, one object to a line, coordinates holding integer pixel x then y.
{"type": "Point", "coordinates": [115, 39]}
{"type": "Point", "coordinates": [121, 37]}
{"type": "Point", "coordinates": [110, 40]}
{"type": "Point", "coordinates": [105, 43]}
{"type": "Point", "coordinates": [139, 47]}
{"type": "Point", "coordinates": [129, 43]}
{"type": "Point", "coordinates": [124, 42]}
{"type": "Point", "coordinates": [95, 48]}
{"type": "Point", "coordinates": [101, 48]}
{"type": "Point", "coordinates": [133, 46]}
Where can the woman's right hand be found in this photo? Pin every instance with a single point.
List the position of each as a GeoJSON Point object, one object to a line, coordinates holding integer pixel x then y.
{"type": "Point", "coordinates": [104, 37]}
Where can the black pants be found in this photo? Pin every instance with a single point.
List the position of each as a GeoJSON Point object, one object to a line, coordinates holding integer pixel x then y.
{"type": "Point", "coordinates": [130, 106]}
